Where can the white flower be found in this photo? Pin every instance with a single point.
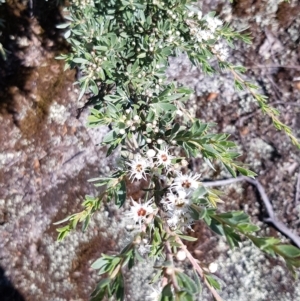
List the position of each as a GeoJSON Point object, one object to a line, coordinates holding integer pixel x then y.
{"type": "Point", "coordinates": [176, 204]}
{"type": "Point", "coordinates": [179, 113]}
{"type": "Point", "coordinates": [213, 267]}
{"type": "Point", "coordinates": [139, 212]}
{"type": "Point", "coordinates": [213, 23]}
{"type": "Point", "coordinates": [163, 157]}
{"type": "Point", "coordinates": [186, 182]}
{"type": "Point", "coordinates": [151, 153]}
{"type": "Point", "coordinates": [181, 255]}
{"type": "Point", "coordinates": [138, 168]}
{"type": "Point", "coordinates": [220, 50]}
{"type": "Point", "coordinates": [173, 222]}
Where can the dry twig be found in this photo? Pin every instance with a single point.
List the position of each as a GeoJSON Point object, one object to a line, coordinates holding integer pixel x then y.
{"type": "Point", "coordinates": [268, 206]}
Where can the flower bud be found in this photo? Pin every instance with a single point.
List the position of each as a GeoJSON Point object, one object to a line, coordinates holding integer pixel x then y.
{"type": "Point", "coordinates": [213, 267]}
{"type": "Point", "coordinates": [181, 255]}
{"type": "Point", "coordinates": [151, 153]}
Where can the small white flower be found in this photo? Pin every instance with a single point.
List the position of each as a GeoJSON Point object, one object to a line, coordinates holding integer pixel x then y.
{"type": "Point", "coordinates": [139, 212]}
{"type": "Point", "coordinates": [179, 113]}
{"type": "Point", "coordinates": [184, 163]}
{"type": "Point", "coordinates": [176, 204]}
{"type": "Point", "coordinates": [136, 118]}
{"type": "Point", "coordinates": [138, 168]}
{"type": "Point", "coordinates": [181, 255]}
{"type": "Point", "coordinates": [160, 141]}
{"type": "Point", "coordinates": [213, 267]}
{"type": "Point", "coordinates": [151, 153]}
{"type": "Point", "coordinates": [186, 182]}
{"type": "Point", "coordinates": [173, 222]}
{"type": "Point", "coordinates": [163, 157]}
{"type": "Point", "coordinates": [122, 131]}
{"type": "Point", "coordinates": [213, 23]}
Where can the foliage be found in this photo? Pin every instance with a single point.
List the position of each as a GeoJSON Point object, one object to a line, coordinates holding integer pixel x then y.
{"type": "Point", "coordinates": [122, 49]}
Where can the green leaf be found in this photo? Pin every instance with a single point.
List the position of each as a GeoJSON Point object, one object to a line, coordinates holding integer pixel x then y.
{"type": "Point", "coordinates": [216, 227]}
{"type": "Point", "coordinates": [80, 60]}
{"type": "Point", "coordinates": [187, 283]}
{"type": "Point", "coordinates": [121, 194]}
{"type": "Point", "coordinates": [93, 87]}
{"type": "Point", "coordinates": [246, 172]}
{"type": "Point", "coordinates": [233, 238]}
{"type": "Point", "coordinates": [163, 106]}
{"type": "Point", "coordinates": [64, 25]}
{"type": "Point", "coordinates": [199, 192]}
{"type": "Point", "coordinates": [188, 238]}
{"type": "Point", "coordinates": [166, 294]}
{"type": "Point", "coordinates": [213, 282]}
{"type": "Point", "coordinates": [230, 169]}
{"type": "Point", "coordinates": [67, 34]}
{"type": "Point", "coordinates": [247, 228]}
{"type": "Point", "coordinates": [265, 243]}
{"type": "Point", "coordinates": [288, 251]}
{"type": "Point", "coordinates": [109, 137]}
{"type": "Point", "coordinates": [99, 263]}
{"type": "Point", "coordinates": [141, 55]}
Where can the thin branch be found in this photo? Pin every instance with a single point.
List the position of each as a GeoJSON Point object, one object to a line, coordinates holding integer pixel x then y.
{"type": "Point", "coordinates": [273, 66]}
{"type": "Point", "coordinates": [197, 267]}
{"type": "Point", "coordinates": [170, 258]}
{"type": "Point", "coordinates": [285, 103]}
{"type": "Point", "coordinates": [271, 219]}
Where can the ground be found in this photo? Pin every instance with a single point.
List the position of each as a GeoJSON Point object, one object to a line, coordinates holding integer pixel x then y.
{"type": "Point", "coordinates": [47, 155]}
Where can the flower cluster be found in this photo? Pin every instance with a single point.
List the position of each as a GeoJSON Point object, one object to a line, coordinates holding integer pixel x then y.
{"type": "Point", "coordinates": [221, 51]}
{"type": "Point", "coordinates": [206, 32]}
{"type": "Point", "coordinates": [177, 200]}
{"type": "Point", "coordinates": [84, 3]}
{"type": "Point", "coordinates": [142, 165]}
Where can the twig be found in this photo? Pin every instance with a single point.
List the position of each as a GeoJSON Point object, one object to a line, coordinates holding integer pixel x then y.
{"type": "Point", "coordinates": [271, 219]}
{"type": "Point", "coordinates": [272, 66]}
{"type": "Point", "coordinates": [170, 258]}
{"type": "Point", "coordinates": [198, 269]}
{"type": "Point", "coordinates": [285, 103]}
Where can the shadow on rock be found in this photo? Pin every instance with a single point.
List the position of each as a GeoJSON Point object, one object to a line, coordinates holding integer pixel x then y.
{"type": "Point", "coordinates": [7, 290]}
{"type": "Point", "coordinates": [29, 36]}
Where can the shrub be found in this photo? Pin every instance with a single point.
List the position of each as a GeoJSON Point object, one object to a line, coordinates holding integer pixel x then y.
{"type": "Point", "coordinates": [121, 48]}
